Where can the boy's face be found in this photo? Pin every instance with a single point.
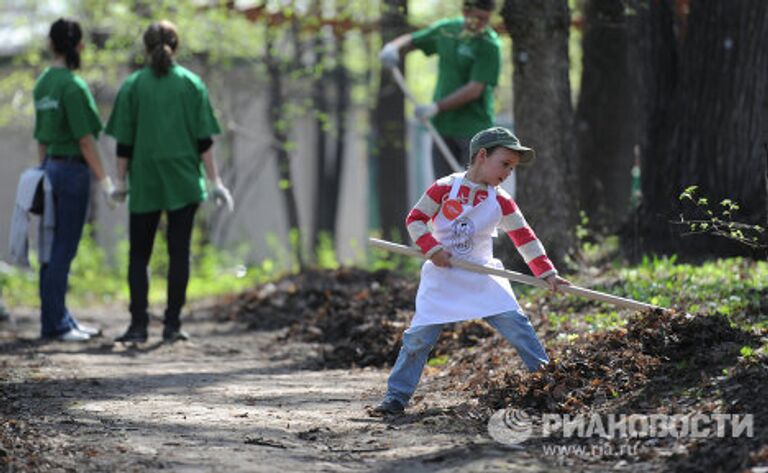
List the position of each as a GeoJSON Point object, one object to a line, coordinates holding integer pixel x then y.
{"type": "Point", "coordinates": [475, 19]}
{"type": "Point", "coordinates": [496, 167]}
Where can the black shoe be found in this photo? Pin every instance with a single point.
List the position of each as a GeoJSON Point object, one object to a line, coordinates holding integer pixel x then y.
{"type": "Point", "coordinates": [133, 335]}
{"type": "Point", "coordinates": [171, 335]}
{"type": "Point", "coordinates": [388, 407]}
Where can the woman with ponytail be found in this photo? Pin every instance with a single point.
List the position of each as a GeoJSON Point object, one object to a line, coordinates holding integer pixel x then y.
{"type": "Point", "coordinates": [163, 123]}
{"type": "Point", "coordinates": [66, 123]}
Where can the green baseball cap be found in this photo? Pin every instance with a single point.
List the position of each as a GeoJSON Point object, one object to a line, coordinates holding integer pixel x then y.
{"type": "Point", "coordinates": [500, 136]}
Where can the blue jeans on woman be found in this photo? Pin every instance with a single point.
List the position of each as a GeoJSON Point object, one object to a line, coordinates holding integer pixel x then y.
{"type": "Point", "coordinates": [418, 342]}
{"type": "Point", "coordinates": [71, 183]}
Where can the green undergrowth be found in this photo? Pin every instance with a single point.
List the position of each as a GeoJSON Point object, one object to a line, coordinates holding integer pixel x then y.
{"type": "Point", "coordinates": [95, 280]}
{"type": "Point", "coordinates": [734, 287]}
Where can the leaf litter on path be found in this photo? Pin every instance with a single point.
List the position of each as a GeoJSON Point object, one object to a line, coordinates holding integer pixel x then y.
{"type": "Point", "coordinates": [660, 362]}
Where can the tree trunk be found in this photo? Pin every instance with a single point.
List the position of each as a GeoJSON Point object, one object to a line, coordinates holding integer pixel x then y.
{"type": "Point", "coordinates": [342, 82]}
{"type": "Point", "coordinates": [329, 170]}
{"type": "Point", "coordinates": [320, 105]}
{"type": "Point", "coordinates": [605, 116]}
{"type": "Point", "coordinates": [656, 52]}
{"type": "Point", "coordinates": [543, 118]}
{"type": "Point", "coordinates": [710, 135]}
{"type": "Point", "coordinates": [389, 124]}
{"type": "Point", "coordinates": [278, 124]}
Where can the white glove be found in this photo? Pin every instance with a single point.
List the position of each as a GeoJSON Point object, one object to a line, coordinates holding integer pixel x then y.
{"type": "Point", "coordinates": [389, 56]}
{"type": "Point", "coordinates": [425, 112]}
{"type": "Point", "coordinates": [121, 191]}
{"type": "Point", "coordinates": [107, 188]}
{"type": "Point", "coordinates": [221, 195]}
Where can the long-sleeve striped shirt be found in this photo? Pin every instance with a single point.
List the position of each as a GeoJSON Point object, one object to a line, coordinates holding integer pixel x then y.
{"type": "Point", "coordinates": [512, 222]}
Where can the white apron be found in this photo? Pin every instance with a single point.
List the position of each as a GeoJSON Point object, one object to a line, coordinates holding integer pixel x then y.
{"type": "Point", "coordinates": [455, 294]}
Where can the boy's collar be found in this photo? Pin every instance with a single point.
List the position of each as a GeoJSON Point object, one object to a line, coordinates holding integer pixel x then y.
{"type": "Point", "coordinates": [466, 178]}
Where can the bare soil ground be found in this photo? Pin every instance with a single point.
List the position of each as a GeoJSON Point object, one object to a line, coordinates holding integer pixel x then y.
{"type": "Point", "coordinates": [281, 377]}
{"type": "Point", "coordinates": [227, 400]}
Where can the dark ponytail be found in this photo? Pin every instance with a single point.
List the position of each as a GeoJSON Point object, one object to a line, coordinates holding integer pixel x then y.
{"type": "Point", "coordinates": [161, 41]}
{"type": "Point", "coordinates": [486, 5]}
{"type": "Point", "coordinates": [65, 35]}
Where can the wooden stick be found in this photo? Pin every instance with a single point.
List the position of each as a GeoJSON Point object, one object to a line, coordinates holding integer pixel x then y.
{"type": "Point", "coordinates": [518, 277]}
{"type": "Point", "coordinates": [435, 135]}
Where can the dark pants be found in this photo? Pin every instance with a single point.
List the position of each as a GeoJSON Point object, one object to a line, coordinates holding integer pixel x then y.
{"type": "Point", "coordinates": [459, 148]}
{"type": "Point", "coordinates": [71, 182]}
{"type": "Point", "coordinates": [143, 227]}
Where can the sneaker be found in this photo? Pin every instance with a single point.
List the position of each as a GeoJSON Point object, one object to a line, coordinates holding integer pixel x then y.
{"type": "Point", "coordinates": [171, 335]}
{"type": "Point", "coordinates": [73, 335]}
{"type": "Point", "coordinates": [87, 329]}
{"type": "Point", "coordinates": [133, 335]}
{"type": "Point", "coordinates": [389, 407]}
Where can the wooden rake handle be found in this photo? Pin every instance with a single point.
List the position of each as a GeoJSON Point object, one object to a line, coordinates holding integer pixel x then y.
{"type": "Point", "coordinates": [518, 277]}
{"type": "Point", "coordinates": [450, 159]}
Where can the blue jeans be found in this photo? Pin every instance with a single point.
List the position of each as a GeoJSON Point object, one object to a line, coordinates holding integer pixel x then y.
{"type": "Point", "coordinates": [418, 342]}
{"type": "Point", "coordinates": [71, 183]}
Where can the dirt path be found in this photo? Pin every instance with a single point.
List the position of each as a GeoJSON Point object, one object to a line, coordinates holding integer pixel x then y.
{"type": "Point", "coordinates": [228, 400]}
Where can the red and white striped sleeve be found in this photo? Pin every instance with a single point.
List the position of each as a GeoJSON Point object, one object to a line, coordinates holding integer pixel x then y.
{"type": "Point", "coordinates": [425, 210]}
{"type": "Point", "coordinates": [526, 242]}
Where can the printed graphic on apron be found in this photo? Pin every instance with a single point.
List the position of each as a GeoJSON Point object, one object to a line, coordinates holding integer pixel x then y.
{"type": "Point", "coordinates": [462, 233]}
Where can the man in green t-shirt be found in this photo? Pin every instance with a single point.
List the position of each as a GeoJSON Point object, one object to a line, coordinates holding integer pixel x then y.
{"type": "Point", "coordinates": [469, 55]}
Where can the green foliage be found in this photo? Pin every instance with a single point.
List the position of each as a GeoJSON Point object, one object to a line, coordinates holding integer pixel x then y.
{"type": "Point", "coordinates": [719, 220]}
{"type": "Point", "coordinates": [94, 280]}
{"type": "Point", "coordinates": [438, 361]}
{"type": "Point", "coordinates": [582, 228]}
{"type": "Point", "coordinates": [593, 248]}
{"type": "Point", "coordinates": [575, 53]}
{"type": "Point", "coordinates": [383, 259]}
{"type": "Point", "coordinates": [16, 96]}
{"type": "Point", "coordinates": [732, 286]}
{"type": "Point", "coordinates": [735, 287]}
{"type": "Point", "coordinates": [326, 252]}
{"type": "Point", "coordinates": [113, 29]}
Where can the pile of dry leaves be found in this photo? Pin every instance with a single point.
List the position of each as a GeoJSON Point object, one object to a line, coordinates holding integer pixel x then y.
{"type": "Point", "coordinates": [601, 366]}
{"type": "Point", "coordinates": [660, 362]}
{"type": "Point", "coordinates": [358, 315]}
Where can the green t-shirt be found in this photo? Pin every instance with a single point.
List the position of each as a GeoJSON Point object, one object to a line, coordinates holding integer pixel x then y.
{"type": "Point", "coordinates": [64, 111]}
{"type": "Point", "coordinates": [163, 118]}
{"type": "Point", "coordinates": [462, 58]}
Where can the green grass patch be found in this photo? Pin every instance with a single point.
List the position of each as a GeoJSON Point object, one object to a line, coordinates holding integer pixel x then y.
{"type": "Point", "coordinates": [438, 361]}
{"type": "Point", "coordinates": [95, 280]}
{"type": "Point", "coordinates": [734, 287]}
